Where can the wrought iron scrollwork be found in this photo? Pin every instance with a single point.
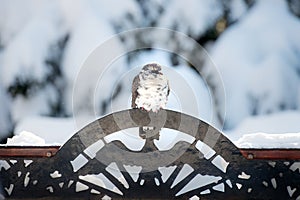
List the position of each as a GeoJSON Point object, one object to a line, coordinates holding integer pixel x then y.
{"type": "Point", "coordinates": [90, 167]}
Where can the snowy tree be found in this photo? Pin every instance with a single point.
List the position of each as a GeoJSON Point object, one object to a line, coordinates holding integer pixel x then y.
{"type": "Point", "coordinates": [5, 120]}
{"type": "Point", "coordinates": [257, 58]}
{"type": "Point", "coordinates": [27, 72]}
{"type": "Point", "coordinates": [46, 45]}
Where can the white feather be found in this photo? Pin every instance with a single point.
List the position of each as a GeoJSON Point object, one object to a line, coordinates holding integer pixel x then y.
{"type": "Point", "coordinates": [152, 91]}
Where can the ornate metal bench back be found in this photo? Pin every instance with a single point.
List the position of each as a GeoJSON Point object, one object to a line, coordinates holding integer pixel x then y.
{"type": "Point", "coordinates": [88, 167]}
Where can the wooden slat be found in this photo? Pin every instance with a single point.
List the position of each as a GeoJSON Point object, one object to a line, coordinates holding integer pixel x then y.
{"type": "Point", "coordinates": [271, 154]}
{"type": "Point", "coordinates": [28, 151]}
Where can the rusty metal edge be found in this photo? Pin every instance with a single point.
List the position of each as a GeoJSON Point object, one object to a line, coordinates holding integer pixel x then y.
{"type": "Point", "coordinates": [28, 151]}
{"type": "Point", "coordinates": [271, 154]}
{"type": "Point", "coordinates": [50, 151]}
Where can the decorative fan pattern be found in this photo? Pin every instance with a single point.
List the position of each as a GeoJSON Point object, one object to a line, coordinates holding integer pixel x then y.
{"type": "Point", "coordinates": [88, 167]}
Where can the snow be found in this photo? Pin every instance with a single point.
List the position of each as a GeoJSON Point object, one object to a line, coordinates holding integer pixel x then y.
{"type": "Point", "coordinates": [5, 122]}
{"type": "Point", "coordinates": [124, 14]}
{"type": "Point", "coordinates": [87, 34]}
{"type": "Point", "coordinates": [25, 139]}
{"type": "Point", "coordinates": [279, 130]}
{"type": "Point", "coordinates": [12, 23]}
{"type": "Point", "coordinates": [110, 11]}
{"type": "Point", "coordinates": [281, 122]}
{"type": "Point", "coordinates": [151, 11]}
{"type": "Point", "coordinates": [22, 57]}
{"type": "Point", "coordinates": [54, 131]}
{"type": "Point", "coordinates": [237, 9]}
{"type": "Point", "coordinates": [37, 104]}
{"type": "Point", "coordinates": [193, 21]}
{"type": "Point", "coordinates": [260, 53]}
{"type": "Point", "coordinates": [24, 62]}
{"type": "Point", "coordinates": [267, 140]}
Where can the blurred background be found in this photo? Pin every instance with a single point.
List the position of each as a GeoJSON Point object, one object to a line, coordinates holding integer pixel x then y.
{"type": "Point", "coordinates": [254, 45]}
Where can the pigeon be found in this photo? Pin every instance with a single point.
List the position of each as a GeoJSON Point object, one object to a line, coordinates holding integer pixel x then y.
{"type": "Point", "coordinates": [150, 89]}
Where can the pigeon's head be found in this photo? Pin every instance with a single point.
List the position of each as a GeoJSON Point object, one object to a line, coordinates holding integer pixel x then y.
{"type": "Point", "coordinates": [152, 68]}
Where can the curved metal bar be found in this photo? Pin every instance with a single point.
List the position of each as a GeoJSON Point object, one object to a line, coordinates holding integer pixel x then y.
{"type": "Point", "coordinates": [220, 173]}
{"type": "Point", "coordinates": [164, 119]}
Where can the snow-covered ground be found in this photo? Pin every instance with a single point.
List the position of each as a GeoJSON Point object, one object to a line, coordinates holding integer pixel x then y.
{"type": "Point", "coordinates": [267, 140]}
{"type": "Point", "coordinates": [45, 46]}
{"type": "Point", "coordinates": [277, 123]}
{"type": "Point", "coordinates": [279, 130]}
